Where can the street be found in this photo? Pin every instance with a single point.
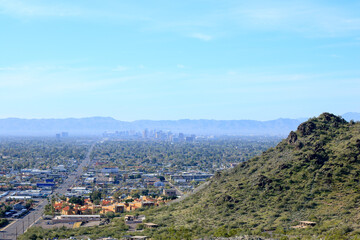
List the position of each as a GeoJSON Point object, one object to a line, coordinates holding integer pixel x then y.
{"type": "Point", "coordinates": [19, 226]}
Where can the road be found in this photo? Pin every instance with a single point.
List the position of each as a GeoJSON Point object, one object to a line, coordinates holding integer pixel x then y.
{"type": "Point", "coordinates": [200, 187]}
{"type": "Point", "coordinates": [19, 226]}
{"type": "Point", "coordinates": [75, 175]}
{"type": "Point", "coordinates": [178, 191]}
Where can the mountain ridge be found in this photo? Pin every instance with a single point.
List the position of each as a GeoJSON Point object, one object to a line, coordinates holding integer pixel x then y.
{"type": "Point", "coordinates": [97, 125]}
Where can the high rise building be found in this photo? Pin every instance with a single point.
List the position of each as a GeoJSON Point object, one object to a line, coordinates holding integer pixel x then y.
{"type": "Point", "coordinates": [145, 133]}
{"type": "Point", "coordinates": [64, 134]}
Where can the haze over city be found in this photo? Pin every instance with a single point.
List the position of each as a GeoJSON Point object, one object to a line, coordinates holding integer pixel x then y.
{"type": "Point", "coordinates": [257, 60]}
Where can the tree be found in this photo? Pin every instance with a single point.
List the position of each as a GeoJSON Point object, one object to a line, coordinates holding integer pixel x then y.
{"type": "Point", "coordinates": [110, 214]}
{"type": "Point", "coordinates": [136, 195]}
{"type": "Point", "coordinates": [117, 195]}
{"type": "Point", "coordinates": [95, 195]}
{"type": "Point", "coordinates": [77, 200]}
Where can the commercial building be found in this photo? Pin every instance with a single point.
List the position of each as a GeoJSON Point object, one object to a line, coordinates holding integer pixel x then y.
{"type": "Point", "coordinates": [45, 185]}
{"type": "Point", "coordinates": [75, 218]}
{"type": "Point", "coordinates": [110, 170]}
{"type": "Point", "coordinates": [170, 192]}
{"type": "Point", "coordinates": [191, 177]}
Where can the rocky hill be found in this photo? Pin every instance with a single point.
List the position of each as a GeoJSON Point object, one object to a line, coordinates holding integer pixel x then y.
{"type": "Point", "coordinates": [311, 175]}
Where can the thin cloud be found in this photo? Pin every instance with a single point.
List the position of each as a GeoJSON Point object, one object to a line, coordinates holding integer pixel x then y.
{"type": "Point", "coordinates": [49, 83]}
{"type": "Point", "coordinates": [47, 9]}
{"type": "Point", "coordinates": [24, 68]}
{"type": "Point", "coordinates": [24, 8]}
{"type": "Point", "coordinates": [45, 68]}
{"type": "Point", "coordinates": [301, 17]}
{"type": "Point", "coordinates": [201, 36]}
{"type": "Point", "coordinates": [120, 69]}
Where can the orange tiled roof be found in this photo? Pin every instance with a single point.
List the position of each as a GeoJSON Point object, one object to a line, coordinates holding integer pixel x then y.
{"type": "Point", "coordinates": [59, 204]}
{"type": "Point", "coordinates": [67, 208]}
{"type": "Point", "coordinates": [83, 208]}
{"type": "Point", "coordinates": [105, 202]}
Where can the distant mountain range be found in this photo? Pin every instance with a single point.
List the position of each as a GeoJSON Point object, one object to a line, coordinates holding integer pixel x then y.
{"type": "Point", "coordinates": [98, 125]}
{"type": "Point", "coordinates": [351, 116]}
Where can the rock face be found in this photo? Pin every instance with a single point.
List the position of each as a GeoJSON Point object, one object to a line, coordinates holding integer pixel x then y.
{"type": "Point", "coordinates": [306, 128]}
{"type": "Point", "coordinates": [324, 122]}
{"type": "Point", "coordinates": [292, 138]}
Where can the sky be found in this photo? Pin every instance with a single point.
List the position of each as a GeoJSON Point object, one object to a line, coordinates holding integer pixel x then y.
{"type": "Point", "coordinates": [167, 60]}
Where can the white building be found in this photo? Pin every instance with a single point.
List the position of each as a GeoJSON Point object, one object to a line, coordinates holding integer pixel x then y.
{"type": "Point", "coordinates": [75, 218]}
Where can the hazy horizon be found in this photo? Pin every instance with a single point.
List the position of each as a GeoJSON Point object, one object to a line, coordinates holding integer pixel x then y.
{"type": "Point", "coordinates": [100, 125]}
{"type": "Point", "coordinates": [192, 119]}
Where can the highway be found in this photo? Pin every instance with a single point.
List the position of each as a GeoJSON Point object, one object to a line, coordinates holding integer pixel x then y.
{"type": "Point", "coordinates": [19, 226]}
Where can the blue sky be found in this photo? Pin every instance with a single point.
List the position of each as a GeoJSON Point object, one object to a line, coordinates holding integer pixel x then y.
{"type": "Point", "coordinates": [179, 59]}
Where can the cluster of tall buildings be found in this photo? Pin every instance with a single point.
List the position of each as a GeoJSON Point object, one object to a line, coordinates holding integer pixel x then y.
{"type": "Point", "coordinates": [167, 136]}
{"type": "Point", "coordinates": [151, 135]}
{"type": "Point", "coordinates": [62, 135]}
{"type": "Point", "coordinates": [122, 134]}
